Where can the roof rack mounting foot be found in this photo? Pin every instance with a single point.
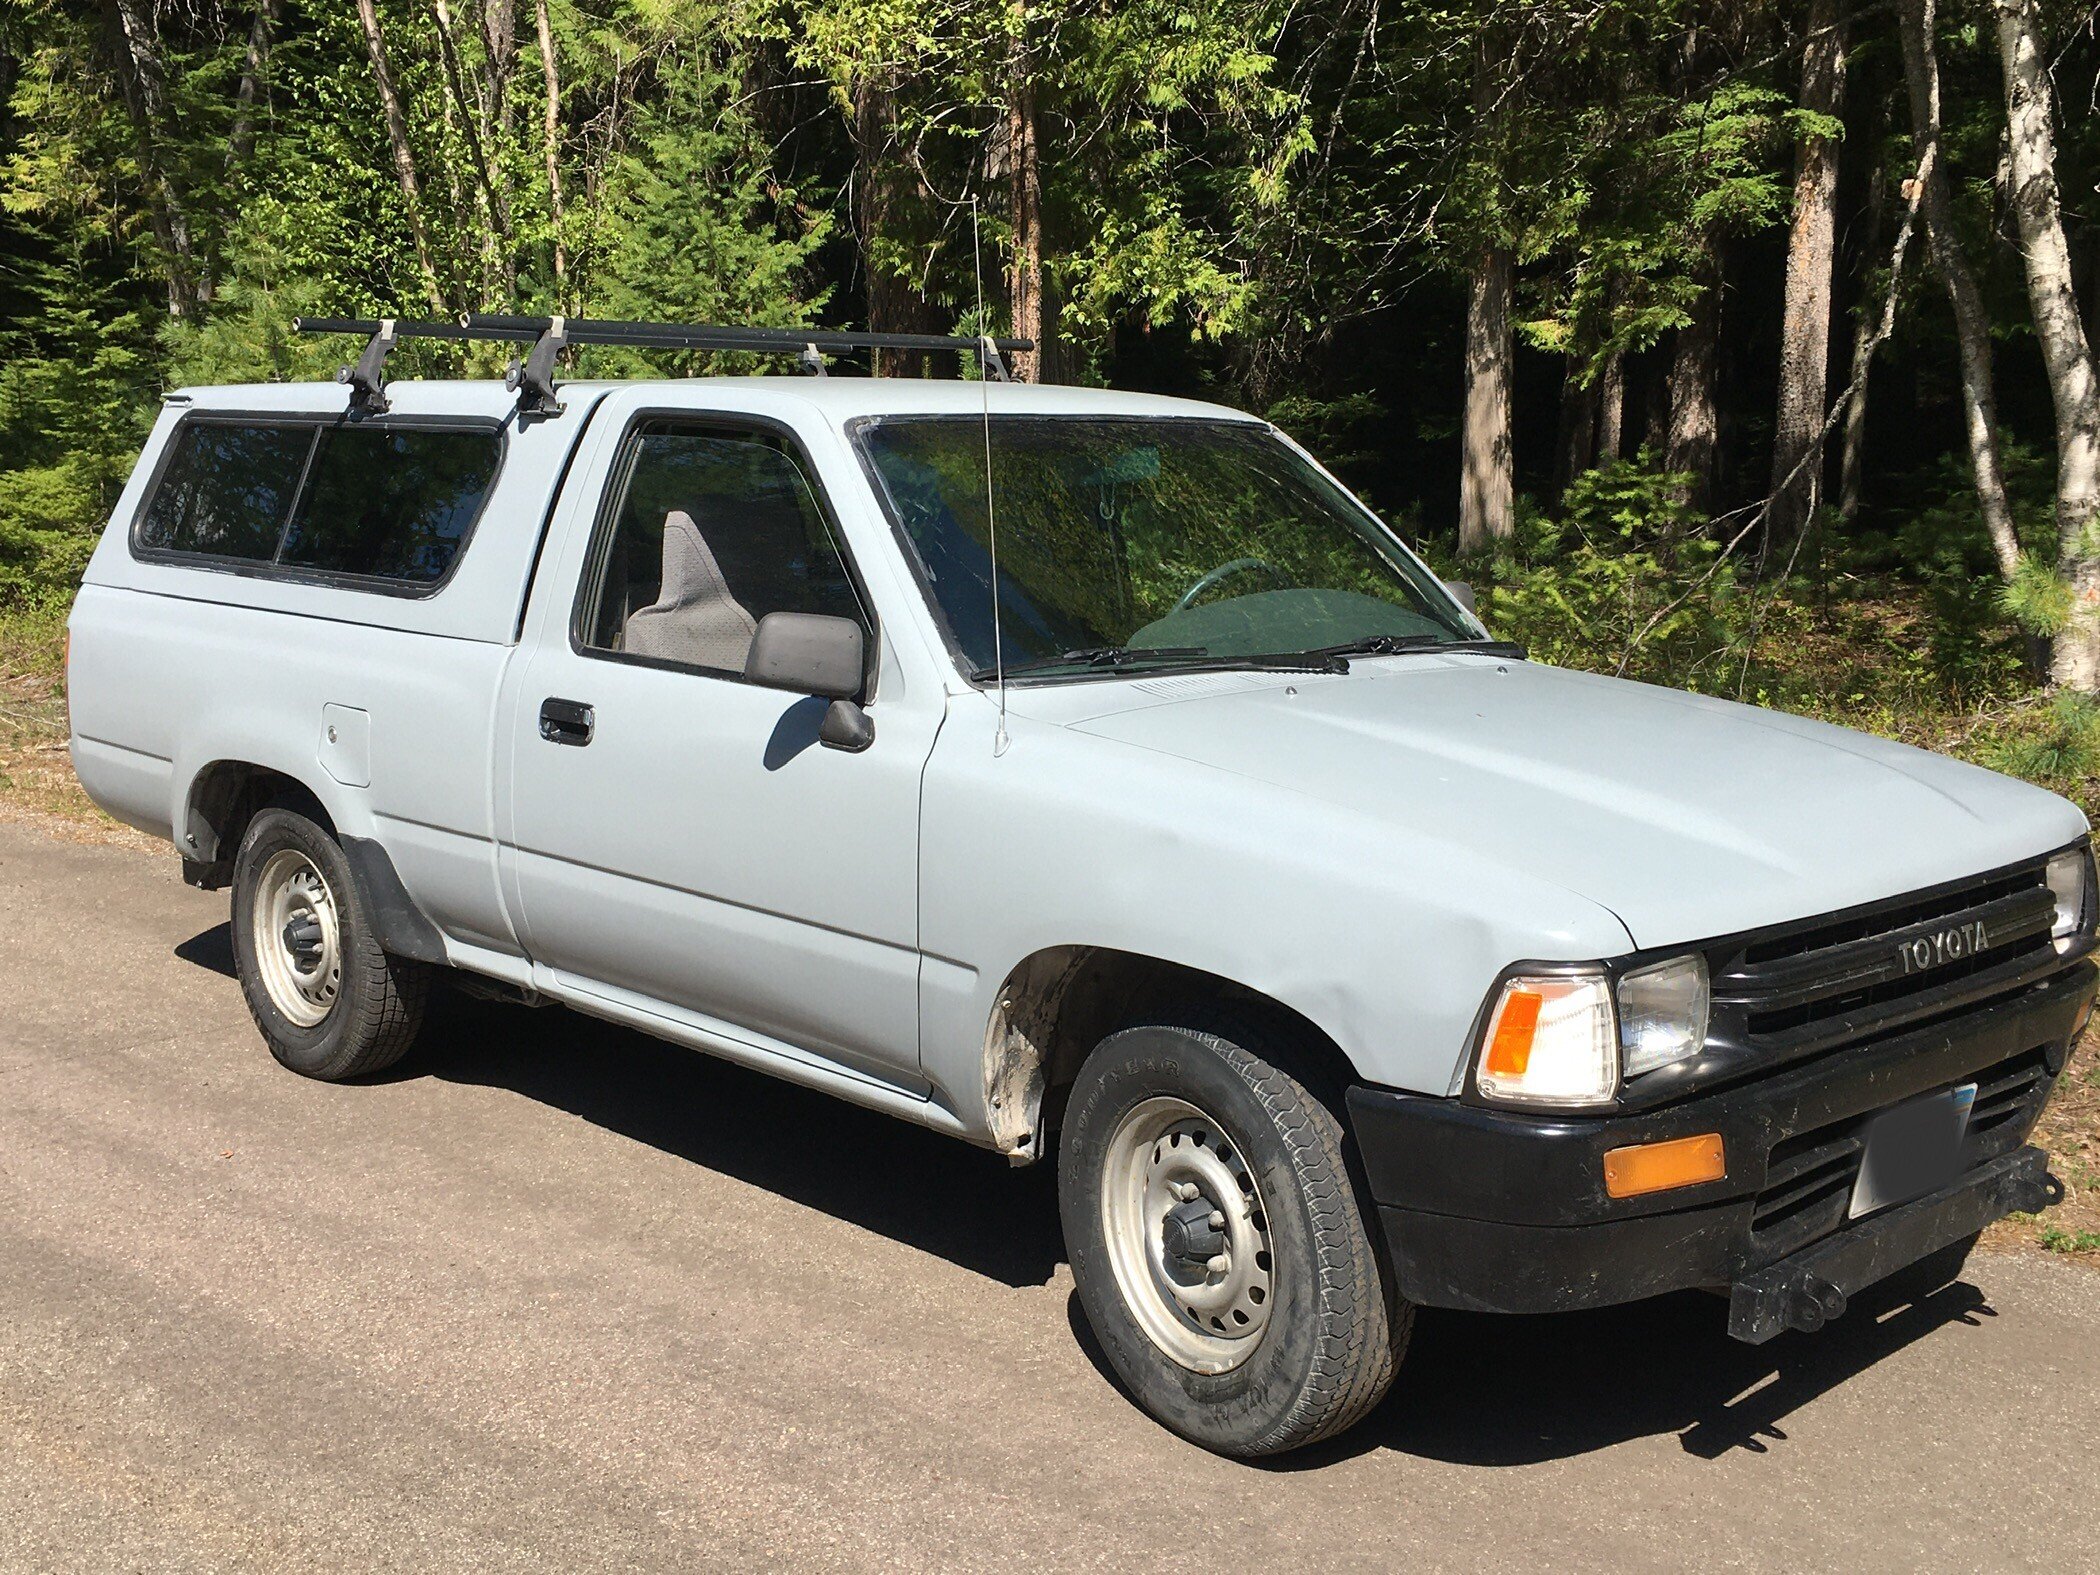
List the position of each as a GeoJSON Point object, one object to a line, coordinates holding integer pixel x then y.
{"type": "Point", "coordinates": [367, 379]}
{"type": "Point", "coordinates": [811, 362]}
{"type": "Point", "coordinates": [994, 364]}
{"type": "Point", "coordinates": [533, 378]}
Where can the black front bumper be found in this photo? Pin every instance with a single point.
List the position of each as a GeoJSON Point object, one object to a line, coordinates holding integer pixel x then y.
{"type": "Point", "coordinates": [1497, 1211]}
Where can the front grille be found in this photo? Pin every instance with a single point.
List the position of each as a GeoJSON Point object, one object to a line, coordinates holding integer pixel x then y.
{"type": "Point", "coordinates": [1810, 987]}
{"type": "Point", "coordinates": [1809, 1177]}
{"type": "Point", "coordinates": [1808, 1182]}
{"type": "Point", "coordinates": [2009, 1096]}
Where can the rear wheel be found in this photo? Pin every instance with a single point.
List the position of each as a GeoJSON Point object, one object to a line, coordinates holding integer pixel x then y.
{"type": "Point", "coordinates": [1216, 1240]}
{"type": "Point", "coordinates": [331, 1003]}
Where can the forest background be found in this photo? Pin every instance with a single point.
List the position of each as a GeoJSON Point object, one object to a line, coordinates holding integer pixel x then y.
{"type": "Point", "coordinates": [1744, 347]}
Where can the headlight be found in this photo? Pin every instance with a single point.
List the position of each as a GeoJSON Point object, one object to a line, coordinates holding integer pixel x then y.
{"type": "Point", "coordinates": [2070, 877]}
{"type": "Point", "coordinates": [1550, 1040]}
{"type": "Point", "coordinates": [1662, 1013]}
{"type": "Point", "coordinates": [1567, 1039]}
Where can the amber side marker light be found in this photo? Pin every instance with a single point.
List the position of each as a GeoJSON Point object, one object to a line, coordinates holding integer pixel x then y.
{"type": "Point", "coordinates": [1657, 1167]}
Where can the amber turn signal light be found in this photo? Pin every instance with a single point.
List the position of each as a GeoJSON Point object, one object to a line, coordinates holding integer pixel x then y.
{"type": "Point", "coordinates": [1509, 1052]}
{"type": "Point", "coordinates": [1657, 1167]}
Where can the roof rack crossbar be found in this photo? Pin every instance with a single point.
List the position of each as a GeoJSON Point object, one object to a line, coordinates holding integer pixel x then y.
{"type": "Point", "coordinates": [533, 376]}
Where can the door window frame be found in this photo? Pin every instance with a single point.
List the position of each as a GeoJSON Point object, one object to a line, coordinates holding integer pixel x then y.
{"type": "Point", "coordinates": [612, 502]}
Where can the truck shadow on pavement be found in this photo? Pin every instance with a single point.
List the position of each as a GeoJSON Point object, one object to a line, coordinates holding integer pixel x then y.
{"type": "Point", "coordinates": [1481, 1389]}
{"type": "Point", "coordinates": [913, 1186]}
{"type": "Point", "coordinates": [884, 1175]}
{"type": "Point", "coordinates": [1476, 1389]}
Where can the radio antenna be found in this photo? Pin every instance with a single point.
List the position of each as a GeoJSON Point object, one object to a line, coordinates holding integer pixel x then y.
{"type": "Point", "coordinates": [987, 357]}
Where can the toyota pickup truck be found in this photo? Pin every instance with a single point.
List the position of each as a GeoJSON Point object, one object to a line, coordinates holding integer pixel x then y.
{"type": "Point", "coordinates": [1090, 777]}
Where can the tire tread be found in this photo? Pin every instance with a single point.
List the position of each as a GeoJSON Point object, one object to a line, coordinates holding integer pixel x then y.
{"type": "Point", "coordinates": [1360, 1345]}
{"type": "Point", "coordinates": [384, 995]}
{"type": "Point", "coordinates": [1349, 1332]}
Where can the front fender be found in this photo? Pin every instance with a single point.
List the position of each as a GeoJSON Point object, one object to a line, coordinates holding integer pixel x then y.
{"type": "Point", "coordinates": [1386, 941]}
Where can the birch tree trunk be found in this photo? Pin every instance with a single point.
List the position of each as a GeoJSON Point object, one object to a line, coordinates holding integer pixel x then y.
{"type": "Point", "coordinates": [451, 104]}
{"type": "Point", "coordinates": [1487, 485]}
{"type": "Point", "coordinates": [1972, 325]}
{"type": "Point", "coordinates": [481, 131]}
{"type": "Point", "coordinates": [550, 68]}
{"type": "Point", "coordinates": [2066, 354]}
{"type": "Point", "coordinates": [404, 160]}
{"type": "Point", "coordinates": [1804, 344]}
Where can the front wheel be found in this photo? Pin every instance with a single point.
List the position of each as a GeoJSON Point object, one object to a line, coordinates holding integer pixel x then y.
{"type": "Point", "coordinates": [331, 1003]}
{"type": "Point", "coordinates": [1216, 1240]}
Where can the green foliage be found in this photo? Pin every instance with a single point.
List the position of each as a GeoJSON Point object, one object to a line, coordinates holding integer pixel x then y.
{"type": "Point", "coordinates": [2058, 743]}
{"type": "Point", "coordinates": [1344, 433]}
{"type": "Point", "coordinates": [1974, 639]}
{"type": "Point", "coordinates": [699, 228]}
{"type": "Point", "coordinates": [249, 337]}
{"type": "Point", "coordinates": [32, 637]}
{"type": "Point", "coordinates": [2037, 598]}
{"type": "Point", "coordinates": [1626, 580]}
{"type": "Point", "coordinates": [2056, 1239]}
{"type": "Point", "coordinates": [1666, 178]}
{"type": "Point", "coordinates": [71, 410]}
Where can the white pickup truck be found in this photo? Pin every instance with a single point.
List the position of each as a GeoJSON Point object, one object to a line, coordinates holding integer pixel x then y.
{"type": "Point", "coordinates": [1088, 776]}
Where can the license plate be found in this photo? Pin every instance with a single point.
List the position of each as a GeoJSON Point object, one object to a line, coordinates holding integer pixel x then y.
{"type": "Point", "coordinates": [1912, 1150]}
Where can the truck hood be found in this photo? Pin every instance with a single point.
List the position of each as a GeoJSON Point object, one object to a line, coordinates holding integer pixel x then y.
{"type": "Point", "coordinates": [1687, 817]}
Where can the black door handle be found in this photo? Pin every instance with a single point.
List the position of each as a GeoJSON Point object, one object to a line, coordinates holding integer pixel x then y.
{"type": "Point", "coordinates": [566, 722]}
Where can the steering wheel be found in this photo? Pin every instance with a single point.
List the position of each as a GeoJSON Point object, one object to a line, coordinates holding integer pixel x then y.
{"type": "Point", "coordinates": [1227, 571]}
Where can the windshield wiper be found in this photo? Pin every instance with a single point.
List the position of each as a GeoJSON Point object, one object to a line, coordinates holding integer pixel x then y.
{"type": "Point", "coordinates": [1176, 656]}
{"type": "Point", "coordinates": [1396, 644]}
{"type": "Point", "coordinates": [1097, 656]}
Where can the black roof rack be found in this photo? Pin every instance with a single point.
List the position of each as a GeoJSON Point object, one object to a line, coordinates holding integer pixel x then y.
{"type": "Point", "coordinates": [533, 376]}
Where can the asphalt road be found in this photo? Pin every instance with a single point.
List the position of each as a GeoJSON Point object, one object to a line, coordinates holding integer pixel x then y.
{"type": "Point", "coordinates": [558, 1296]}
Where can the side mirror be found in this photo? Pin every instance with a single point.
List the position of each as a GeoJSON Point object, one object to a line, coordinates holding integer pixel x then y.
{"type": "Point", "coordinates": [807, 654]}
{"type": "Point", "coordinates": [812, 654]}
{"type": "Point", "coordinates": [1462, 593]}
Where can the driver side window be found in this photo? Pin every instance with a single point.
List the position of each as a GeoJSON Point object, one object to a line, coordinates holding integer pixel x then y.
{"type": "Point", "coordinates": [716, 527]}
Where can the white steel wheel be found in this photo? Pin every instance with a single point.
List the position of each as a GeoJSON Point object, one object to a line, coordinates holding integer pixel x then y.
{"type": "Point", "coordinates": [297, 938]}
{"type": "Point", "coordinates": [1187, 1235]}
{"type": "Point", "coordinates": [331, 1002]}
{"type": "Point", "coordinates": [1217, 1246]}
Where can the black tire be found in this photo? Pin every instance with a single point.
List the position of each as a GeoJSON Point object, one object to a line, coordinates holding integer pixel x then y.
{"type": "Point", "coordinates": [1333, 1336]}
{"type": "Point", "coordinates": [378, 1004]}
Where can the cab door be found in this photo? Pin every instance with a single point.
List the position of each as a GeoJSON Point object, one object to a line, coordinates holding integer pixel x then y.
{"type": "Point", "coordinates": [678, 839]}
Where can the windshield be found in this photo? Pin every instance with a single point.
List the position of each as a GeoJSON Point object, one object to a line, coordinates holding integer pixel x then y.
{"type": "Point", "coordinates": [1142, 542]}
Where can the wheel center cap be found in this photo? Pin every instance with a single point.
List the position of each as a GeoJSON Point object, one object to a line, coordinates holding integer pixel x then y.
{"type": "Point", "coordinates": [1192, 1232]}
{"type": "Point", "coordinates": [302, 938]}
